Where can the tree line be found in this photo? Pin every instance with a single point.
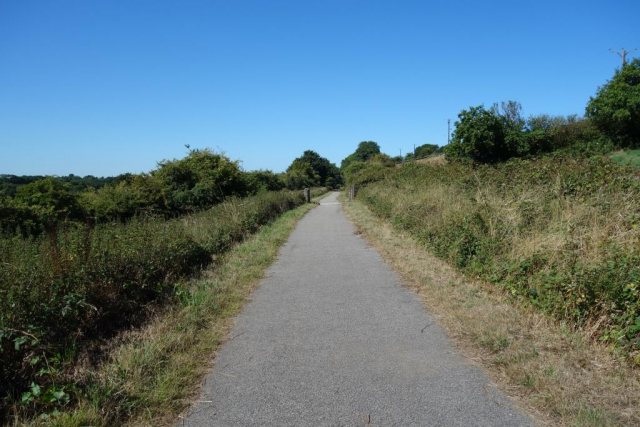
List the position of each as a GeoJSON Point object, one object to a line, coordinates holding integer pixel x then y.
{"type": "Point", "coordinates": [31, 205]}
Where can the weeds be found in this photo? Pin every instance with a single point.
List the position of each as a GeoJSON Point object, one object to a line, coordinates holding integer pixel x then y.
{"type": "Point", "coordinates": [63, 294]}
{"type": "Point", "coordinates": [559, 232]}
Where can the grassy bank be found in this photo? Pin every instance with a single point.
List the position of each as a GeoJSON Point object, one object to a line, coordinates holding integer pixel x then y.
{"type": "Point", "coordinates": [557, 232]}
{"type": "Point", "coordinates": [556, 373]}
{"type": "Point", "coordinates": [152, 374]}
{"type": "Point", "coordinates": [627, 158]}
{"type": "Point", "coordinates": [64, 297]}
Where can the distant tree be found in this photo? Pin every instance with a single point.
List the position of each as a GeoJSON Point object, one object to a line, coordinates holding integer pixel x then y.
{"type": "Point", "coordinates": [50, 199]}
{"type": "Point", "coordinates": [425, 150]}
{"type": "Point", "coordinates": [511, 114]}
{"type": "Point", "coordinates": [264, 180]}
{"type": "Point", "coordinates": [301, 175]}
{"type": "Point", "coordinates": [321, 166]}
{"type": "Point", "coordinates": [615, 110]}
{"type": "Point", "coordinates": [365, 150]}
{"type": "Point", "coordinates": [479, 136]}
{"type": "Point", "coordinates": [382, 159]}
{"type": "Point", "coordinates": [200, 180]}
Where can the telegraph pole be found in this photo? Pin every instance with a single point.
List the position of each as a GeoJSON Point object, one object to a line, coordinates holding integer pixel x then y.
{"type": "Point", "coordinates": [448, 130]}
{"type": "Point", "coordinates": [622, 53]}
{"type": "Point", "coordinates": [414, 153]}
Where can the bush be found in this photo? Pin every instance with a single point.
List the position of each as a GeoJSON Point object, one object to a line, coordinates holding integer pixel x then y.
{"type": "Point", "coordinates": [262, 181]}
{"type": "Point", "coordinates": [479, 136]}
{"type": "Point", "coordinates": [199, 181]}
{"type": "Point", "coordinates": [61, 292]}
{"type": "Point", "coordinates": [615, 110]}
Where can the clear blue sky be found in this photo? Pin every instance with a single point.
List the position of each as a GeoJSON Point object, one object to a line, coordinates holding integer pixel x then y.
{"type": "Point", "coordinates": [103, 87]}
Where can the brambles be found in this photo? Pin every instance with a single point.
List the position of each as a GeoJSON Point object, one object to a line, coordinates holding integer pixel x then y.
{"type": "Point", "coordinates": [560, 232]}
{"type": "Point", "coordinates": [62, 294]}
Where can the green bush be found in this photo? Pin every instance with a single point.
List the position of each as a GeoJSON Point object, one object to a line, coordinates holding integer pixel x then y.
{"type": "Point", "coordinates": [199, 181]}
{"type": "Point", "coordinates": [62, 291]}
{"type": "Point", "coordinates": [479, 136]}
{"type": "Point", "coordinates": [615, 109]}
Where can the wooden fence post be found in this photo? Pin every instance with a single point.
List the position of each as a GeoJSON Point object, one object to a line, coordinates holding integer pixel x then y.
{"type": "Point", "coordinates": [307, 195]}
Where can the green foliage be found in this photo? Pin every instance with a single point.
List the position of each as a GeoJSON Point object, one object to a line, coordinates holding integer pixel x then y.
{"type": "Point", "coordinates": [501, 133]}
{"type": "Point", "coordinates": [540, 228]}
{"type": "Point", "coordinates": [76, 184]}
{"type": "Point", "coordinates": [261, 181]}
{"type": "Point", "coordinates": [128, 198]}
{"type": "Point", "coordinates": [615, 110]}
{"type": "Point", "coordinates": [17, 218]}
{"type": "Point", "coordinates": [62, 292]}
{"type": "Point", "coordinates": [375, 169]}
{"type": "Point", "coordinates": [50, 199]}
{"type": "Point", "coordinates": [365, 150]}
{"type": "Point", "coordinates": [301, 174]}
{"type": "Point", "coordinates": [480, 136]}
{"type": "Point", "coordinates": [628, 158]}
{"type": "Point", "coordinates": [322, 168]}
{"type": "Point", "coordinates": [199, 181]}
{"type": "Point", "coordinates": [425, 150]}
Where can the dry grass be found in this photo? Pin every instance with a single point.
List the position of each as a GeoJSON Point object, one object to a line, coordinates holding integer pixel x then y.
{"type": "Point", "coordinates": [558, 375]}
{"type": "Point", "coordinates": [433, 160]}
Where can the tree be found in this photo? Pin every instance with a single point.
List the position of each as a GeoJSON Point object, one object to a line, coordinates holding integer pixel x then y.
{"type": "Point", "coordinates": [615, 110]}
{"type": "Point", "coordinates": [425, 150]}
{"type": "Point", "coordinates": [264, 180]}
{"type": "Point", "coordinates": [365, 150]}
{"type": "Point", "coordinates": [50, 199]}
{"type": "Point", "coordinates": [321, 166]}
{"type": "Point", "coordinates": [200, 180]}
{"type": "Point", "coordinates": [301, 175]}
{"type": "Point", "coordinates": [479, 136]}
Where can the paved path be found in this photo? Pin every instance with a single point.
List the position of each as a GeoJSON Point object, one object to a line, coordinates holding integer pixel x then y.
{"type": "Point", "coordinates": [332, 338]}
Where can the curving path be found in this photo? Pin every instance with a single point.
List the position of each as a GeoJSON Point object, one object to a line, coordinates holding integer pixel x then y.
{"type": "Point", "coordinates": [332, 338]}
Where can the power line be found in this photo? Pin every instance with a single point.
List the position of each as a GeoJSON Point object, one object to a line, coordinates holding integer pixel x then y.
{"type": "Point", "coordinates": [622, 53]}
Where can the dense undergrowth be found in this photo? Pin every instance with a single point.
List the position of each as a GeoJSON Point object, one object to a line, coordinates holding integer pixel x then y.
{"type": "Point", "coordinates": [63, 293]}
{"type": "Point", "coordinates": [560, 232]}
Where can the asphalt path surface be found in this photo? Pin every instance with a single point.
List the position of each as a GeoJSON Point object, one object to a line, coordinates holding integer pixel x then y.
{"type": "Point", "coordinates": [331, 338]}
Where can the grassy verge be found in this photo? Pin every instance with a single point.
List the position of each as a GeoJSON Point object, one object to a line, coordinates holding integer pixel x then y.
{"type": "Point", "coordinates": [627, 157]}
{"type": "Point", "coordinates": [560, 232]}
{"type": "Point", "coordinates": [152, 374]}
{"type": "Point", "coordinates": [558, 374]}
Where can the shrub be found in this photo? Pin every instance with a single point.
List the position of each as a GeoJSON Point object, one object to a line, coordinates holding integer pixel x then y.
{"type": "Point", "coordinates": [60, 295]}
{"type": "Point", "coordinates": [365, 150]}
{"type": "Point", "coordinates": [199, 181]}
{"type": "Point", "coordinates": [615, 110]}
{"type": "Point", "coordinates": [480, 136]}
{"type": "Point", "coordinates": [262, 181]}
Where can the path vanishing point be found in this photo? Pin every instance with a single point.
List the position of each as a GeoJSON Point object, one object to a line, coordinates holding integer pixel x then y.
{"type": "Point", "coordinates": [332, 338]}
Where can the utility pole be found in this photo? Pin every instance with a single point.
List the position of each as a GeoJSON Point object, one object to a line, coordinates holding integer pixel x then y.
{"type": "Point", "coordinates": [401, 160]}
{"type": "Point", "coordinates": [448, 130]}
{"type": "Point", "coordinates": [414, 153]}
{"type": "Point", "coordinates": [622, 53]}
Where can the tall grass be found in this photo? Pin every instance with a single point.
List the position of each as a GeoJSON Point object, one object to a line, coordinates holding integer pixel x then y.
{"type": "Point", "coordinates": [63, 293]}
{"type": "Point", "coordinates": [560, 232]}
